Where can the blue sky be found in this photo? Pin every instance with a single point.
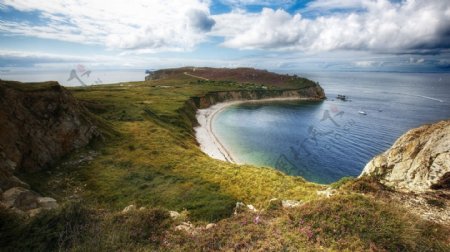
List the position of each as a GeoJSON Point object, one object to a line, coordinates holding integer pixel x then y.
{"type": "Point", "coordinates": [325, 35]}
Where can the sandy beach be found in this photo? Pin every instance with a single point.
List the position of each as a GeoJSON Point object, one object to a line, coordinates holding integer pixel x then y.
{"type": "Point", "coordinates": [209, 142]}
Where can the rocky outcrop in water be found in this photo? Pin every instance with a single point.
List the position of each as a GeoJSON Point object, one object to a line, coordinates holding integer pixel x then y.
{"type": "Point", "coordinates": [419, 161]}
{"type": "Point", "coordinates": [39, 124]}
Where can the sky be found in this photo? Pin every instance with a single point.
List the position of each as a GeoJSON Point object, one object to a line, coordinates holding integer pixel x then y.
{"type": "Point", "coordinates": [317, 35]}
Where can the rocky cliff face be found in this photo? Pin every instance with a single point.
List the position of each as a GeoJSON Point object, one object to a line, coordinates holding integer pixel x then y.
{"type": "Point", "coordinates": [419, 161]}
{"type": "Point", "coordinates": [189, 110]}
{"type": "Point", "coordinates": [313, 93]}
{"type": "Point", "coordinates": [39, 123]}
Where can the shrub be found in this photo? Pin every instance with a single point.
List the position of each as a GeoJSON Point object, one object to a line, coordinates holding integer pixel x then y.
{"type": "Point", "coordinates": [10, 225]}
{"type": "Point", "coordinates": [341, 182]}
{"type": "Point", "coordinates": [439, 203]}
{"type": "Point", "coordinates": [50, 230]}
{"type": "Point", "coordinates": [344, 222]}
{"type": "Point", "coordinates": [145, 226]}
{"type": "Point", "coordinates": [366, 184]}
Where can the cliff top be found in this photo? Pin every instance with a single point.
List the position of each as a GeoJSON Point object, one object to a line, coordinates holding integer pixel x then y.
{"type": "Point", "coordinates": [238, 75]}
{"type": "Point", "coordinates": [31, 86]}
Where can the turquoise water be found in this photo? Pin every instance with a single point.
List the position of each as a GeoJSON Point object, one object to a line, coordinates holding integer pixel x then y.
{"type": "Point", "coordinates": [325, 141]}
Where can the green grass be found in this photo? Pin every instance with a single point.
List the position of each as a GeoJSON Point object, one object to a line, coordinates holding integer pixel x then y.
{"type": "Point", "coordinates": [38, 86]}
{"type": "Point", "coordinates": [77, 228]}
{"type": "Point", "coordinates": [341, 182]}
{"type": "Point", "coordinates": [149, 158]}
{"type": "Point", "coordinates": [155, 161]}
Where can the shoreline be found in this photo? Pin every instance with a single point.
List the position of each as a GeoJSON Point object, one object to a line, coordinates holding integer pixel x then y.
{"type": "Point", "coordinates": [204, 133]}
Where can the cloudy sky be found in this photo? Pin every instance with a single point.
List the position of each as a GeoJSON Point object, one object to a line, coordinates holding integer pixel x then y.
{"type": "Point", "coordinates": [321, 35]}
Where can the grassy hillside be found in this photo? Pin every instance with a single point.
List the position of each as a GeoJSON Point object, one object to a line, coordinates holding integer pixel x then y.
{"type": "Point", "coordinates": [244, 77]}
{"type": "Point", "coordinates": [153, 161]}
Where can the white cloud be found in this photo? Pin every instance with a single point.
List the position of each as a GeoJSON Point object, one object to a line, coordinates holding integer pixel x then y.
{"type": "Point", "coordinates": [366, 63]}
{"type": "Point", "coordinates": [139, 24]}
{"type": "Point", "coordinates": [379, 26]}
{"type": "Point", "coordinates": [41, 56]}
{"type": "Point", "coordinates": [43, 60]}
{"type": "Point", "coordinates": [142, 26]}
{"type": "Point", "coordinates": [241, 3]}
{"type": "Point", "coordinates": [412, 60]}
{"type": "Point", "coordinates": [37, 59]}
{"type": "Point", "coordinates": [336, 4]}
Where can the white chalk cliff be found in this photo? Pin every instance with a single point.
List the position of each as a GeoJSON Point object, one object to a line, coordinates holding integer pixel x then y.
{"type": "Point", "coordinates": [418, 161]}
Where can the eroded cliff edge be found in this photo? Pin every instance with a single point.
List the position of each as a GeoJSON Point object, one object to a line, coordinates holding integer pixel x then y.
{"type": "Point", "coordinates": [419, 161]}
{"type": "Point", "coordinates": [313, 93]}
{"type": "Point", "coordinates": [39, 124]}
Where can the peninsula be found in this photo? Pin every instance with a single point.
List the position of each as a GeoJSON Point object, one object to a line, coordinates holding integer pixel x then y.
{"type": "Point", "coordinates": [121, 167]}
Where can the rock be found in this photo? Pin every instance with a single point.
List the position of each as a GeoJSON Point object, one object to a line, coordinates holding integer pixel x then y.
{"type": "Point", "coordinates": [10, 196]}
{"type": "Point", "coordinates": [210, 225]}
{"type": "Point", "coordinates": [327, 192]}
{"type": "Point", "coordinates": [129, 209]}
{"type": "Point", "coordinates": [34, 212]}
{"type": "Point", "coordinates": [239, 208]}
{"type": "Point", "coordinates": [11, 164]}
{"type": "Point", "coordinates": [186, 227]}
{"type": "Point", "coordinates": [290, 203]}
{"type": "Point", "coordinates": [47, 203]}
{"type": "Point", "coordinates": [174, 215]}
{"type": "Point", "coordinates": [39, 124]}
{"type": "Point", "coordinates": [20, 198]}
{"type": "Point", "coordinates": [251, 208]}
{"type": "Point", "coordinates": [418, 161]}
{"type": "Point", "coordinates": [7, 182]}
{"type": "Point", "coordinates": [275, 204]}
{"type": "Point", "coordinates": [311, 93]}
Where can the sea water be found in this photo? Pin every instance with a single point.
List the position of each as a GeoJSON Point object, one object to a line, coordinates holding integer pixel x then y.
{"type": "Point", "coordinates": [83, 76]}
{"type": "Point", "coordinates": [325, 141]}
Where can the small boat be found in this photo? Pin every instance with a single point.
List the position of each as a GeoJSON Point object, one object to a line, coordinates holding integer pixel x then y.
{"type": "Point", "coordinates": [362, 112]}
{"type": "Point", "coordinates": [342, 97]}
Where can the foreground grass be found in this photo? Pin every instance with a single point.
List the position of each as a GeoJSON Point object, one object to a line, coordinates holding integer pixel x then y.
{"type": "Point", "coordinates": [77, 228]}
{"type": "Point", "coordinates": [341, 223]}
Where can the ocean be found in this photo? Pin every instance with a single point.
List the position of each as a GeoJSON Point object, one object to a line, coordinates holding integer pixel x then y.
{"type": "Point", "coordinates": [81, 76]}
{"type": "Point", "coordinates": [325, 141]}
